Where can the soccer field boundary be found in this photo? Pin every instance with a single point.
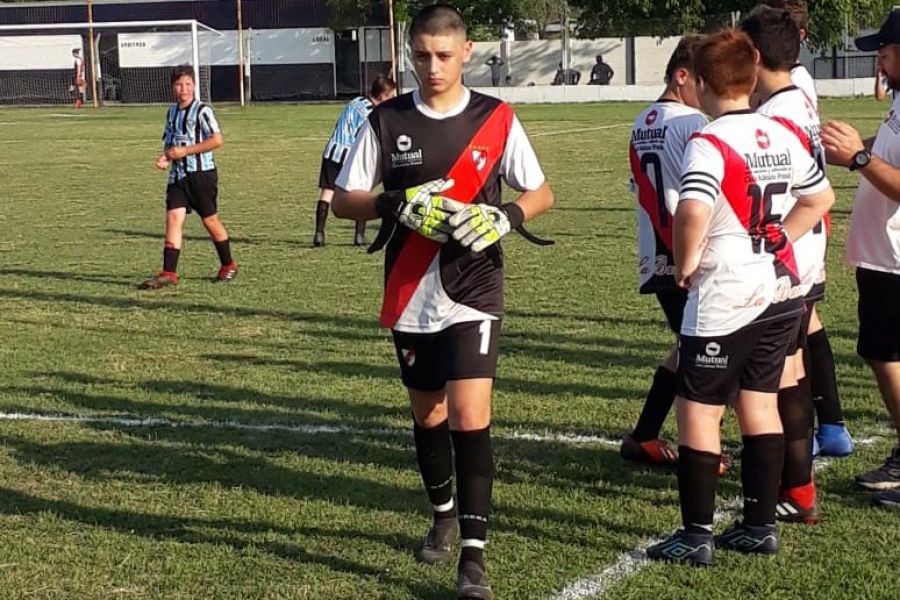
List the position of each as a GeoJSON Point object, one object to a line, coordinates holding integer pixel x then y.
{"type": "Point", "coordinates": [582, 130]}
{"type": "Point", "coordinates": [631, 563]}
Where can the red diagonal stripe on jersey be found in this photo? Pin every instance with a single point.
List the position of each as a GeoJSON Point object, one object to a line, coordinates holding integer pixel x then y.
{"type": "Point", "coordinates": [807, 143]}
{"type": "Point", "coordinates": [648, 199]}
{"type": "Point", "coordinates": [418, 252]}
{"type": "Point", "coordinates": [735, 184]}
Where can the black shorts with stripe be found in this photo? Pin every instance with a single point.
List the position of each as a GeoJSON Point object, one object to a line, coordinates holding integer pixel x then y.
{"type": "Point", "coordinates": [462, 351]}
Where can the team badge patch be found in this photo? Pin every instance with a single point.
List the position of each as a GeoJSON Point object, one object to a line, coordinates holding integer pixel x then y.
{"type": "Point", "coordinates": [762, 138]}
{"type": "Point", "coordinates": [479, 158]}
{"type": "Point", "coordinates": [409, 357]}
{"type": "Point", "coordinates": [651, 117]}
{"type": "Point", "coordinates": [404, 143]}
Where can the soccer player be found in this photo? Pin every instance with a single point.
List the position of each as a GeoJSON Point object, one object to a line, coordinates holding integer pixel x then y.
{"type": "Point", "coordinates": [440, 153]}
{"type": "Point", "coordinates": [342, 138]}
{"type": "Point", "coordinates": [79, 85]}
{"type": "Point", "coordinates": [190, 136]}
{"type": "Point", "coordinates": [832, 437]}
{"type": "Point", "coordinates": [734, 255]}
{"type": "Point", "coordinates": [776, 37]}
{"type": "Point", "coordinates": [873, 246]}
{"type": "Point", "coordinates": [658, 140]}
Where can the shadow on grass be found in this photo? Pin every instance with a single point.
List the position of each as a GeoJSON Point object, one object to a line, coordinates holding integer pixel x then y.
{"type": "Point", "coordinates": [70, 276]}
{"type": "Point", "coordinates": [161, 235]}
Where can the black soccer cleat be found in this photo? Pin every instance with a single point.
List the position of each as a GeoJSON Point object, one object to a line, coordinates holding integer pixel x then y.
{"type": "Point", "coordinates": [437, 549]}
{"type": "Point", "coordinates": [319, 239]}
{"type": "Point", "coordinates": [749, 539]}
{"type": "Point", "coordinates": [695, 549]}
{"type": "Point", "coordinates": [886, 477]}
{"type": "Point", "coordinates": [889, 499]}
{"type": "Point", "coordinates": [472, 583]}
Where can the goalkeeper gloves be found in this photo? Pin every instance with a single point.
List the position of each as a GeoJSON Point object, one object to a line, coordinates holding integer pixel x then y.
{"type": "Point", "coordinates": [478, 226]}
{"type": "Point", "coordinates": [421, 208]}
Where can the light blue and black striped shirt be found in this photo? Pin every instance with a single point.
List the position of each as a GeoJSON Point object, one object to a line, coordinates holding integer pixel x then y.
{"type": "Point", "coordinates": [352, 118]}
{"type": "Point", "coordinates": [185, 127]}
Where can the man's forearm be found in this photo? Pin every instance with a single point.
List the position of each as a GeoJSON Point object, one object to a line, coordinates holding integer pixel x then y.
{"type": "Point", "coordinates": [884, 177]}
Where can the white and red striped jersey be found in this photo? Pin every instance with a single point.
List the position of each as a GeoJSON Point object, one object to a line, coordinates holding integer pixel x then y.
{"type": "Point", "coordinates": [745, 167]}
{"type": "Point", "coordinates": [792, 105]}
{"type": "Point", "coordinates": [660, 135]}
{"type": "Point", "coordinates": [803, 80]}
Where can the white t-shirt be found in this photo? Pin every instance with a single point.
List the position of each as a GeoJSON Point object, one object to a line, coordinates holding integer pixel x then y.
{"type": "Point", "coordinates": [803, 80]}
{"type": "Point", "coordinates": [874, 238]}
{"type": "Point", "coordinates": [519, 166]}
{"type": "Point", "coordinates": [658, 140]}
{"type": "Point", "coordinates": [793, 105]}
{"type": "Point", "coordinates": [745, 167]}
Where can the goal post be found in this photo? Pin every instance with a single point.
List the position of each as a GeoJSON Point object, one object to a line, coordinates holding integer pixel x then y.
{"type": "Point", "coordinates": [130, 61]}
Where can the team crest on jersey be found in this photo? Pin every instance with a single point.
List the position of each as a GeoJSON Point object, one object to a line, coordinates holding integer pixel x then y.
{"type": "Point", "coordinates": [406, 157]}
{"type": "Point", "coordinates": [762, 139]}
{"type": "Point", "coordinates": [404, 143]}
{"type": "Point", "coordinates": [409, 357]}
{"type": "Point", "coordinates": [479, 157]}
{"type": "Point", "coordinates": [651, 117]}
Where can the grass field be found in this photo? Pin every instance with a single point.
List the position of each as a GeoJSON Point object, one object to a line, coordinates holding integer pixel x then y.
{"type": "Point", "coordinates": [252, 440]}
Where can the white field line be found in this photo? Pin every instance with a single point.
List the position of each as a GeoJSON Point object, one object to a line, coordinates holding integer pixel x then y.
{"type": "Point", "coordinates": [580, 130]}
{"type": "Point", "coordinates": [629, 564]}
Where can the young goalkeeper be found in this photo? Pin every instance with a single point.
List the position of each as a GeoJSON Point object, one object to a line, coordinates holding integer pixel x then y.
{"type": "Point", "coordinates": [440, 153]}
{"type": "Point", "coordinates": [190, 136]}
{"type": "Point", "coordinates": [733, 253]}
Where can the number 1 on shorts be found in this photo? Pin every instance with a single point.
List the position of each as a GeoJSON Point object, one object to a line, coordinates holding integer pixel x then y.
{"type": "Point", "coordinates": [485, 331]}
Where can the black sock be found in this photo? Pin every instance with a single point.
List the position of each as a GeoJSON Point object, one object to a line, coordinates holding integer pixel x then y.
{"type": "Point", "coordinates": [656, 406]}
{"type": "Point", "coordinates": [170, 259]}
{"type": "Point", "coordinates": [698, 474]}
{"type": "Point", "coordinates": [322, 208]}
{"type": "Point", "coordinates": [360, 228]}
{"type": "Point", "coordinates": [820, 371]}
{"type": "Point", "coordinates": [435, 458]}
{"type": "Point", "coordinates": [796, 411]}
{"type": "Point", "coordinates": [475, 479]}
{"type": "Point", "coordinates": [761, 462]}
{"type": "Point", "coordinates": [223, 249]}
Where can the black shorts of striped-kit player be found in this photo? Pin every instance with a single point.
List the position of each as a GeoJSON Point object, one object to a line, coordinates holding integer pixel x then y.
{"type": "Point", "coordinates": [463, 351]}
{"type": "Point", "coordinates": [197, 192]}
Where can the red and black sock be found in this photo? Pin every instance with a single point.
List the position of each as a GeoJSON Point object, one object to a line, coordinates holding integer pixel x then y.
{"type": "Point", "coordinates": [223, 249]}
{"type": "Point", "coordinates": [795, 408]}
{"type": "Point", "coordinates": [698, 475]}
{"type": "Point", "coordinates": [475, 481]}
{"type": "Point", "coordinates": [435, 458]}
{"type": "Point", "coordinates": [761, 461]}
{"type": "Point", "coordinates": [820, 371]}
{"type": "Point", "coordinates": [656, 406]}
{"type": "Point", "coordinates": [170, 258]}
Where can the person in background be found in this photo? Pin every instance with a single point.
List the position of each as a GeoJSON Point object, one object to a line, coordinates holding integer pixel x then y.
{"type": "Point", "coordinates": [601, 73]}
{"type": "Point", "coordinates": [496, 64]}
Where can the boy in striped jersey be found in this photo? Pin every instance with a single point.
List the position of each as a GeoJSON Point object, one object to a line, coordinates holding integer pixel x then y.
{"type": "Point", "coordinates": [342, 138]}
{"type": "Point", "coordinates": [190, 136]}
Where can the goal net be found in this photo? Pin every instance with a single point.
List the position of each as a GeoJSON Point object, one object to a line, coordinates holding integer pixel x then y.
{"type": "Point", "coordinates": [124, 62]}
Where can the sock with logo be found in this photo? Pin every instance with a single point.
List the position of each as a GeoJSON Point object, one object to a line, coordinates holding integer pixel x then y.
{"type": "Point", "coordinates": [322, 208]}
{"type": "Point", "coordinates": [170, 258]}
{"type": "Point", "coordinates": [475, 480]}
{"type": "Point", "coordinates": [761, 460]}
{"type": "Point", "coordinates": [656, 406]}
{"type": "Point", "coordinates": [698, 474]}
{"type": "Point", "coordinates": [796, 411]}
{"type": "Point", "coordinates": [820, 371]}
{"type": "Point", "coordinates": [435, 459]}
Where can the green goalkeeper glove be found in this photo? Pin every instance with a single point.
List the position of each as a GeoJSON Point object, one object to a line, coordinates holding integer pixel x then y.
{"type": "Point", "coordinates": [421, 208]}
{"type": "Point", "coordinates": [481, 225]}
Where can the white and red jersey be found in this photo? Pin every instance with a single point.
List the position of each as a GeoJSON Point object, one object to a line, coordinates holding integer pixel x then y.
{"type": "Point", "coordinates": [745, 167]}
{"type": "Point", "coordinates": [874, 238]}
{"type": "Point", "coordinates": [792, 106]}
{"type": "Point", "coordinates": [660, 135]}
{"type": "Point", "coordinates": [803, 80]}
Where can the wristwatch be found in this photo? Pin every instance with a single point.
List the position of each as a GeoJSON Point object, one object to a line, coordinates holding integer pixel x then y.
{"type": "Point", "coordinates": [860, 160]}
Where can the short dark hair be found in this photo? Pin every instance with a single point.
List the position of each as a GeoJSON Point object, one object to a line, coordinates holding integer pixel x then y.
{"type": "Point", "coordinates": [798, 9]}
{"type": "Point", "coordinates": [181, 71]}
{"type": "Point", "coordinates": [726, 62]}
{"type": "Point", "coordinates": [380, 85]}
{"type": "Point", "coordinates": [683, 56]}
{"type": "Point", "coordinates": [776, 36]}
{"type": "Point", "coordinates": [437, 19]}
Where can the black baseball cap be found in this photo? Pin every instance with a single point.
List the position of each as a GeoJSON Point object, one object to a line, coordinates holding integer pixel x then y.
{"type": "Point", "coordinates": [887, 35]}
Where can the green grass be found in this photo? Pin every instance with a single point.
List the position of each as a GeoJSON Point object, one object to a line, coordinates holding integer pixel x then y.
{"type": "Point", "coordinates": [98, 510]}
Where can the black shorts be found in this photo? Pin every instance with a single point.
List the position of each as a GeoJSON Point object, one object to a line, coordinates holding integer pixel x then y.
{"type": "Point", "coordinates": [464, 351]}
{"type": "Point", "coordinates": [802, 331]}
{"type": "Point", "coordinates": [879, 315]}
{"type": "Point", "coordinates": [672, 303]}
{"type": "Point", "coordinates": [712, 370]}
{"type": "Point", "coordinates": [328, 173]}
{"type": "Point", "coordinates": [197, 191]}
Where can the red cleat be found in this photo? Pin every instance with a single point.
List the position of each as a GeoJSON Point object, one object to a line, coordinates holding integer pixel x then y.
{"type": "Point", "coordinates": [227, 272]}
{"type": "Point", "coordinates": [798, 505]}
{"type": "Point", "coordinates": [656, 453]}
{"type": "Point", "coordinates": [162, 279]}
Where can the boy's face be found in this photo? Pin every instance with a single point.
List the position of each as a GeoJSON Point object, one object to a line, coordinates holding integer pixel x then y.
{"type": "Point", "coordinates": [183, 89]}
{"type": "Point", "coordinates": [439, 59]}
{"type": "Point", "coordinates": [687, 85]}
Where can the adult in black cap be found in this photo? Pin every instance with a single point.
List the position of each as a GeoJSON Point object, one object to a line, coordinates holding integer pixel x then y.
{"type": "Point", "coordinates": [873, 246]}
